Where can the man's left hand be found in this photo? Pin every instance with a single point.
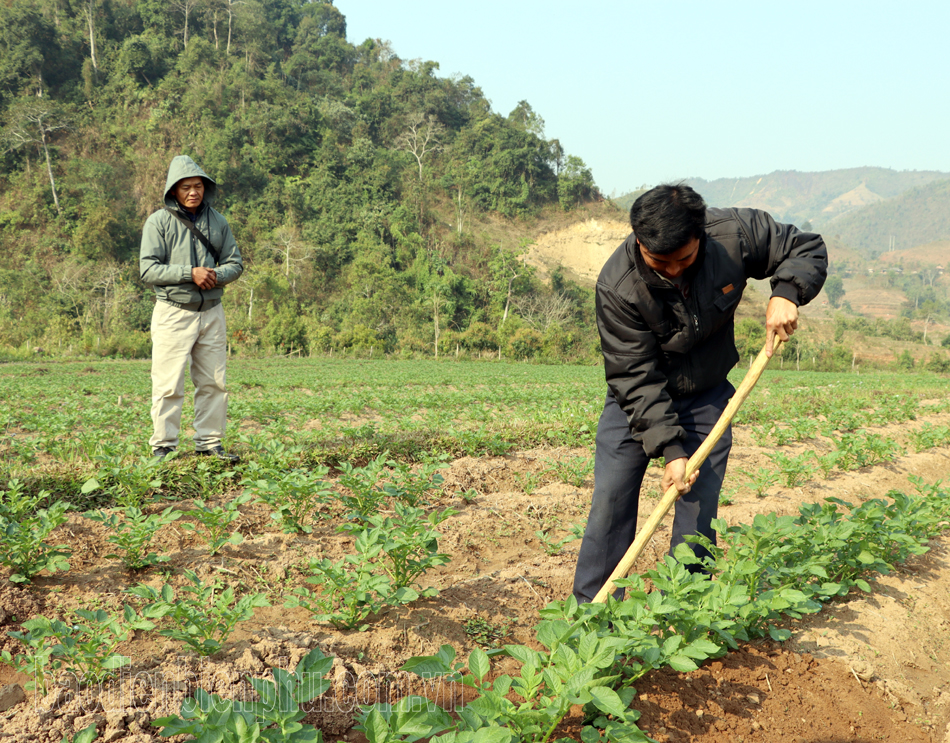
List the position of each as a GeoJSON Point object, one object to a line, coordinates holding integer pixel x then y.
{"type": "Point", "coordinates": [781, 319]}
{"type": "Point", "coordinates": [675, 474]}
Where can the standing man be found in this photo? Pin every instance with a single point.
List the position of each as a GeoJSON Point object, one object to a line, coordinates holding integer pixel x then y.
{"type": "Point", "coordinates": [188, 254]}
{"type": "Point", "coordinates": [666, 301]}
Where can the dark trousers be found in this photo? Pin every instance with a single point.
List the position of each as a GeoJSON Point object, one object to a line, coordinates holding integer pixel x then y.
{"type": "Point", "coordinates": [619, 466]}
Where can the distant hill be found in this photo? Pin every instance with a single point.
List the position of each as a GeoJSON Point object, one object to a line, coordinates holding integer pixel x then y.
{"type": "Point", "coordinates": [863, 206]}
{"type": "Point", "coordinates": [915, 218]}
{"type": "Point", "coordinates": [936, 254]}
{"type": "Point", "coordinates": [818, 198]}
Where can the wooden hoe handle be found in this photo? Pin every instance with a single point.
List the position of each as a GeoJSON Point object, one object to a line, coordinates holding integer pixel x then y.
{"type": "Point", "coordinates": [694, 463]}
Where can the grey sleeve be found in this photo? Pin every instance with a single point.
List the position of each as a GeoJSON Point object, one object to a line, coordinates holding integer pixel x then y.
{"type": "Point", "coordinates": [154, 254]}
{"type": "Point", "coordinates": [231, 265]}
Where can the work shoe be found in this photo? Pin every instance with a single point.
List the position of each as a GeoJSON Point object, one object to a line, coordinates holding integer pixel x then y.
{"type": "Point", "coordinates": [218, 452]}
{"type": "Point", "coordinates": [160, 452]}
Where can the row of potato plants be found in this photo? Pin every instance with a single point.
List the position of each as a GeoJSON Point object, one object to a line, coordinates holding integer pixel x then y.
{"type": "Point", "coordinates": [69, 413]}
{"type": "Point", "coordinates": [759, 575]}
{"type": "Point", "coordinates": [392, 553]}
{"type": "Point", "coordinates": [590, 655]}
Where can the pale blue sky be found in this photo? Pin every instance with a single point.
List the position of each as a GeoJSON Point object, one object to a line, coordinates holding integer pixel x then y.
{"type": "Point", "coordinates": [647, 92]}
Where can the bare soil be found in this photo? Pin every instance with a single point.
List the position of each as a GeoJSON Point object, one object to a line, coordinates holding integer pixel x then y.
{"type": "Point", "coordinates": [868, 668]}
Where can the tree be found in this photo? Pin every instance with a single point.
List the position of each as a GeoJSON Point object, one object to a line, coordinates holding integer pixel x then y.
{"type": "Point", "coordinates": [422, 137]}
{"type": "Point", "coordinates": [89, 10]}
{"type": "Point", "coordinates": [32, 122]}
{"type": "Point", "coordinates": [291, 251]}
{"type": "Point", "coordinates": [834, 289]}
{"type": "Point", "coordinates": [574, 183]}
{"type": "Point", "coordinates": [229, 7]}
{"type": "Point", "coordinates": [541, 310]}
{"type": "Point", "coordinates": [509, 275]}
{"type": "Point", "coordinates": [29, 49]}
{"type": "Point", "coordinates": [929, 273]}
{"type": "Point", "coordinates": [185, 7]}
{"type": "Point", "coordinates": [524, 117]}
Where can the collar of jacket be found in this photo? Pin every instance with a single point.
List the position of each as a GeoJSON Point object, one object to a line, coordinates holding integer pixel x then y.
{"type": "Point", "coordinates": [651, 277]}
{"type": "Point", "coordinates": [179, 208]}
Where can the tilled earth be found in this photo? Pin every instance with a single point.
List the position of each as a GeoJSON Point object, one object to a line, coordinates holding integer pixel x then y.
{"type": "Point", "coordinates": [868, 668]}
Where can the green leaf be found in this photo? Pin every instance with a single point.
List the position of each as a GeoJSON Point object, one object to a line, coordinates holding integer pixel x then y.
{"type": "Point", "coordinates": [375, 727]}
{"type": "Point", "coordinates": [90, 485]}
{"type": "Point", "coordinates": [779, 635]}
{"type": "Point", "coordinates": [682, 663]}
{"type": "Point", "coordinates": [549, 633]}
{"type": "Point", "coordinates": [493, 734]}
{"type": "Point", "coordinates": [427, 666]}
{"type": "Point", "coordinates": [116, 661]}
{"type": "Point", "coordinates": [416, 717]}
{"type": "Point", "coordinates": [479, 664]}
{"type": "Point", "coordinates": [86, 735]}
{"type": "Point", "coordinates": [522, 653]}
{"type": "Point", "coordinates": [590, 734]}
{"type": "Point", "coordinates": [607, 700]}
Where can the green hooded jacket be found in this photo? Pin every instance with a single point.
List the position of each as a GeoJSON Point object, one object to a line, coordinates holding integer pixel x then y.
{"type": "Point", "coordinates": [169, 251]}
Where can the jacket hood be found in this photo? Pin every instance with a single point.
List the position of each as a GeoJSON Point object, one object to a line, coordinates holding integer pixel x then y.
{"type": "Point", "coordinates": [183, 166]}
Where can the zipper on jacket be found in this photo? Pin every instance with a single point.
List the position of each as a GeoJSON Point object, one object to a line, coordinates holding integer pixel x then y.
{"type": "Point", "coordinates": [194, 257]}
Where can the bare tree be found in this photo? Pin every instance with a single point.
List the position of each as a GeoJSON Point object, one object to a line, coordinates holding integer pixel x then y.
{"type": "Point", "coordinates": [929, 274]}
{"type": "Point", "coordinates": [291, 251]}
{"type": "Point", "coordinates": [421, 138]}
{"type": "Point", "coordinates": [31, 123]}
{"type": "Point", "coordinates": [89, 9]}
{"type": "Point", "coordinates": [542, 311]}
{"type": "Point", "coordinates": [185, 7]}
{"type": "Point", "coordinates": [229, 7]}
{"type": "Point", "coordinates": [459, 204]}
{"type": "Point", "coordinates": [436, 304]}
{"type": "Point", "coordinates": [115, 292]}
{"type": "Point", "coordinates": [71, 281]}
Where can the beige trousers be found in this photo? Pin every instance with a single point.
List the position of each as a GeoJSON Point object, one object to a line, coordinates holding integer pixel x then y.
{"type": "Point", "coordinates": [198, 341]}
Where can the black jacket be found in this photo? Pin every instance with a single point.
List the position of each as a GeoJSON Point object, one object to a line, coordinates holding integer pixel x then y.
{"type": "Point", "coordinates": [658, 345]}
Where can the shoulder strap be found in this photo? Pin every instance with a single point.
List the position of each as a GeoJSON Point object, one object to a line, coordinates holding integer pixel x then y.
{"type": "Point", "coordinates": [197, 233]}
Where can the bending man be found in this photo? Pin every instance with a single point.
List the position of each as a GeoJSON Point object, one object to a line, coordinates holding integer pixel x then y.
{"type": "Point", "coordinates": [666, 302]}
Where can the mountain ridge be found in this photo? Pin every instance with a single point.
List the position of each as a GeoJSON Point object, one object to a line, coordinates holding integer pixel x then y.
{"type": "Point", "coordinates": [864, 207]}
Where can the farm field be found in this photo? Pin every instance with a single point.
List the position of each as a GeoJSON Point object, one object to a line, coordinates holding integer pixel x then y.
{"type": "Point", "coordinates": [497, 459]}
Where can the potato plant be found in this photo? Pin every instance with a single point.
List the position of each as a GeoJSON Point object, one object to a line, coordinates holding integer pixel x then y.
{"type": "Point", "coordinates": [24, 530]}
{"type": "Point", "coordinates": [84, 648]}
{"type": "Point", "coordinates": [201, 614]}
{"type": "Point", "coordinates": [213, 523]}
{"type": "Point", "coordinates": [276, 717]}
{"type": "Point", "coordinates": [133, 532]}
{"type": "Point", "coordinates": [294, 497]}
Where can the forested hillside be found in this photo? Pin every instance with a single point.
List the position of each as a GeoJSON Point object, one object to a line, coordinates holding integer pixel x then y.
{"type": "Point", "coordinates": [380, 207]}
{"type": "Point", "coordinates": [917, 217]}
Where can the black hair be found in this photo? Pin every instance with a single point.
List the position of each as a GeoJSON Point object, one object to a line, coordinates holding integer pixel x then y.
{"type": "Point", "coordinates": [667, 217]}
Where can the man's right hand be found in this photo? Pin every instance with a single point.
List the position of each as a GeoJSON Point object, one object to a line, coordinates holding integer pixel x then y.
{"type": "Point", "coordinates": [204, 278]}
